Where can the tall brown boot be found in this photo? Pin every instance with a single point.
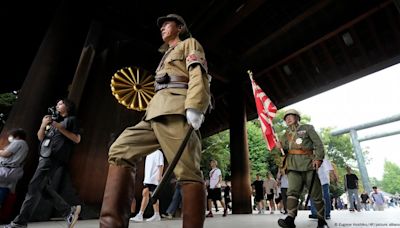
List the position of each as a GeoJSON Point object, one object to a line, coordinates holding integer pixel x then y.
{"type": "Point", "coordinates": [117, 198]}
{"type": "Point", "coordinates": [194, 205]}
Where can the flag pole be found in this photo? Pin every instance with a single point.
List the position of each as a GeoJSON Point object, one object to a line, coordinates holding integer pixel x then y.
{"type": "Point", "coordinates": [250, 73]}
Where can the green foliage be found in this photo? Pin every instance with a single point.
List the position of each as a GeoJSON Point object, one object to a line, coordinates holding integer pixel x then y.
{"type": "Point", "coordinates": [391, 177]}
{"type": "Point", "coordinates": [6, 102]}
{"type": "Point", "coordinates": [338, 148]}
{"type": "Point", "coordinates": [216, 147]}
{"type": "Point", "coordinates": [7, 99]}
{"type": "Point", "coordinates": [375, 182]}
{"type": "Point", "coordinates": [261, 159]}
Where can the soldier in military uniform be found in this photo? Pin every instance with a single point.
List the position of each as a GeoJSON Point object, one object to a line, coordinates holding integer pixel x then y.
{"type": "Point", "coordinates": [181, 99]}
{"type": "Point", "coordinates": [305, 152]}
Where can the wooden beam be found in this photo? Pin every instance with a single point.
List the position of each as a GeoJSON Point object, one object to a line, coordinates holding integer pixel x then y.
{"type": "Point", "coordinates": [345, 54]}
{"type": "Point", "coordinates": [315, 62]}
{"type": "Point", "coordinates": [85, 63]}
{"type": "Point", "coordinates": [360, 47]}
{"type": "Point", "coordinates": [229, 23]}
{"type": "Point", "coordinates": [375, 38]}
{"type": "Point", "coordinates": [328, 36]}
{"type": "Point", "coordinates": [306, 71]}
{"type": "Point", "coordinates": [329, 58]}
{"type": "Point", "coordinates": [285, 81]}
{"type": "Point", "coordinates": [286, 28]}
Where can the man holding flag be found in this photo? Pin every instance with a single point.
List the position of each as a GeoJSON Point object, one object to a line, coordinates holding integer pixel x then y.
{"type": "Point", "coordinates": [305, 153]}
{"type": "Point", "coordinates": [304, 157]}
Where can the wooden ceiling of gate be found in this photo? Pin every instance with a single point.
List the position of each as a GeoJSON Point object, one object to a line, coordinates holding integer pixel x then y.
{"type": "Point", "coordinates": [296, 49]}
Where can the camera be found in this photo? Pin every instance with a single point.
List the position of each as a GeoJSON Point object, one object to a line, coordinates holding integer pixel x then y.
{"type": "Point", "coordinates": [55, 115]}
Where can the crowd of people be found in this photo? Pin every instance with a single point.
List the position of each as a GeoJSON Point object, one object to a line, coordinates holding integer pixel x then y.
{"type": "Point", "coordinates": [182, 97]}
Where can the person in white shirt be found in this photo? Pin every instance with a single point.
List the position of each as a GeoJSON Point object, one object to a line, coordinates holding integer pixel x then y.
{"type": "Point", "coordinates": [270, 188]}
{"type": "Point", "coordinates": [324, 171]}
{"type": "Point", "coordinates": [283, 184]}
{"type": "Point", "coordinates": [153, 170]}
{"type": "Point", "coordinates": [214, 190]}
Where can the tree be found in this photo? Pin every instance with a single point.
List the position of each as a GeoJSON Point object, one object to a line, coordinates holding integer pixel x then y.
{"type": "Point", "coordinates": [7, 99]}
{"type": "Point", "coordinates": [338, 148]}
{"type": "Point", "coordinates": [6, 102]}
{"type": "Point", "coordinates": [261, 159]}
{"type": "Point", "coordinates": [216, 147]}
{"type": "Point", "coordinates": [391, 177]}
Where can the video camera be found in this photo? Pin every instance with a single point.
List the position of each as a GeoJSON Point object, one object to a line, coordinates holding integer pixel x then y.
{"type": "Point", "coordinates": [55, 115]}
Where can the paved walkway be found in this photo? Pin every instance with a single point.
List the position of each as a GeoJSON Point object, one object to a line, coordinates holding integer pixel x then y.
{"type": "Point", "coordinates": [340, 219]}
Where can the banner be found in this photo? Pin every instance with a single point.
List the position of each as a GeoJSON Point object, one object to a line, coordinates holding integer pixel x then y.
{"type": "Point", "coordinates": [266, 112]}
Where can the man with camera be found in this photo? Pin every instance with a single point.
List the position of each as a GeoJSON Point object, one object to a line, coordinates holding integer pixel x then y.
{"type": "Point", "coordinates": [57, 135]}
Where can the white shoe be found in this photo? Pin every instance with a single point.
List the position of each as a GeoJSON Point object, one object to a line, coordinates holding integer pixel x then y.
{"type": "Point", "coordinates": [137, 218]}
{"type": "Point", "coordinates": [154, 218]}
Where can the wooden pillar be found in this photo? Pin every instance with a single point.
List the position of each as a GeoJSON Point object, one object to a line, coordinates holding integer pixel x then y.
{"type": "Point", "coordinates": [47, 80]}
{"type": "Point", "coordinates": [85, 63]}
{"type": "Point", "coordinates": [241, 189]}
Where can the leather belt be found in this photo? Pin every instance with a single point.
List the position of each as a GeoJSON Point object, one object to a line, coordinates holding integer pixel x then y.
{"type": "Point", "coordinates": [170, 81]}
{"type": "Point", "coordinates": [158, 87]}
{"type": "Point", "coordinates": [178, 78]}
{"type": "Point", "coordinates": [301, 152]}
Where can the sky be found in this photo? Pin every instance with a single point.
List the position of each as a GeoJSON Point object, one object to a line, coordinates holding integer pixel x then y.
{"type": "Point", "coordinates": [370, 98]}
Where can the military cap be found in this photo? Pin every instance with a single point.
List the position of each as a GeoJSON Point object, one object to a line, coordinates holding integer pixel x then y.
{"type": "Point", "coordinates": [170, 17]}
{"type": "Point", "coordinates": [179, 20]}
{"type": "Point", "coordinates": [291, 112]}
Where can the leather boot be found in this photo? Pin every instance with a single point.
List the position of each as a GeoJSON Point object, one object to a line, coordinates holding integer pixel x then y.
{"type": "Point", "coordinates": [288, 222]}
{"type": "Point", "coordinates": [322, 223]}
{"type": "Point", "coordinates": [117, 198]}
{"type": "Point", "coordinates": [194, 205]}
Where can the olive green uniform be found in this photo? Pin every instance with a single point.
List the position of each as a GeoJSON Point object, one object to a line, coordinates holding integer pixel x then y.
{"type": "Point", "coordinates": [300, 170]}
{"type": "Point", "coordinates": [164, 125]}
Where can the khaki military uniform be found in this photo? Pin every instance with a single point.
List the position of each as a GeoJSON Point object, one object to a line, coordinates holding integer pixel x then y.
{"type": "Point", "coordinates": [304, 146]}
{"type": "Point", "coordinates": [164, 124]}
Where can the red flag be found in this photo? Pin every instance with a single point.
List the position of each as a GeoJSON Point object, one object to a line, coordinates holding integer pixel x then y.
{"type": "Point", "coordinates": [266, 112]}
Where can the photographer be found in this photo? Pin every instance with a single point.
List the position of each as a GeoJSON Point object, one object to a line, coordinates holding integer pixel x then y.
{"type": "Point", "coordinates": [57, 135]}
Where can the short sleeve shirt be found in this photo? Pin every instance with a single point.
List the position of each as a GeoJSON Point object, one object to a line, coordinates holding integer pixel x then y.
{"type": "Point", "coordinates": [323, 172]}
{"type": "Point", "coordinates": [351, 181]}
{"type": "Point", "coordinates": [19, 150]}
{"type": "Point", "coordinates": [378, 198]}
{"type": "Point", "coordinates": [60, 145]}
{"type": "Point", "coordinates": [258, 186]}
{"type": "Point", "coordinates": [152, 167]}
{"type": "Point", "coordinates": [269, 185]}
{"type": "Point", "coordinates": [214, 178]}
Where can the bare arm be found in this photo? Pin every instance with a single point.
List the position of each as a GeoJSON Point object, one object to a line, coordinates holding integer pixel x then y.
{"type": "Point", "coordinates": [45, 121]}
{"type": "Point", "coordinates": [5, 154]}
{"type": "Point", "coordinates": [160, 172]}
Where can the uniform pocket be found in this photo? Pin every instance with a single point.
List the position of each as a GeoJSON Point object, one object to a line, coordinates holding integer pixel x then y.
{"type": "Point", "coordinates": [175, 57]}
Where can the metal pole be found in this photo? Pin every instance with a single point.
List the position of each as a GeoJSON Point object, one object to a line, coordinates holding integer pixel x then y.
{"type": "Point", "coordinates": [368, 125]}
{"type": "Point", "coordinates": [360, 160]}
{"type": "Point", "coordinates": [379, 135]}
